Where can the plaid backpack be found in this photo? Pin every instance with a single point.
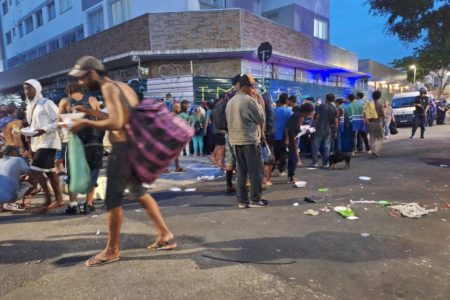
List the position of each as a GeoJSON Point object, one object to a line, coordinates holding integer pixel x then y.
{"type": "Point", "coordinates": [156, 137]}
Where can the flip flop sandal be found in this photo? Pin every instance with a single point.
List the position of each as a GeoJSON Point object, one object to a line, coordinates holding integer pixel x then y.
{"type": "Point", "coordinates": [97, 262]}
{"type": "Point", "coordinates": [158, 246]}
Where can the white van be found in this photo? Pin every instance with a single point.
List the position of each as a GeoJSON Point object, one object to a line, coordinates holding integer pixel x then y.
{"type": "Point", "coordinates": [403, 107]}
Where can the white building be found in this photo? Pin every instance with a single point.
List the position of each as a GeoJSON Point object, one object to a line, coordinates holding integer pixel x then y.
{"type": "Point", "coordinates": [33, 28]}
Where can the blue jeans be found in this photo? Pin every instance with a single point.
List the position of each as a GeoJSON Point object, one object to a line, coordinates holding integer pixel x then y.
{"type": "Point", "coordinates": [322, 142]}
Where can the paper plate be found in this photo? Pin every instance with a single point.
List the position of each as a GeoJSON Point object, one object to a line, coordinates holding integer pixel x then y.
{"type": "Point", "coordinates": [300, 184]}
{"type": "Point", "coordinates": [175, 189]}
{"type": "Point", "coordinates": [364, 178]}
{"type": "Point", "coordinates": [74, 116]}
{"type": "Point", "coordinates": [28, 131]}
{"type": "Point", "coordinates": [190, 190]}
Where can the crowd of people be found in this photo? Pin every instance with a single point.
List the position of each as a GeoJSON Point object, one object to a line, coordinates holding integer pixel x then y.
{"type": "Point", "coordinates": [244, 132]}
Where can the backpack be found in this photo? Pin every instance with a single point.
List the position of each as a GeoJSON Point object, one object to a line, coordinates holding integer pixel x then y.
{"type": "Point", "coordinates": [198, 128]}
{"type": "Point", "coordinates": [156, 137]}
{"type": "Point", "coordinates": [219, 115]}
{"type": "Point", "coordinates": [370, 111]}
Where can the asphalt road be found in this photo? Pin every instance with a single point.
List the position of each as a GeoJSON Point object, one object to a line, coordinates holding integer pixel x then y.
{"type": "Point", "coordinates": [271, 253]}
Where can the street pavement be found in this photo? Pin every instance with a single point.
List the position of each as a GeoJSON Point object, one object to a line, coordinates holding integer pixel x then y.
{"type": "Point", "coordinates": [262, 253]}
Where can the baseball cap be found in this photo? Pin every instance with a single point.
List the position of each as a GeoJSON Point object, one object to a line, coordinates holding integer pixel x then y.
{"type": "Point", "coordinates": [86, 64]}
{"type": "Point", "coordinates": [236, 79]}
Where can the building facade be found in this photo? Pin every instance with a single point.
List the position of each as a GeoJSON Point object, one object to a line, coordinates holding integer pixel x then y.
{"type": "Point", "coordinates": [34, 28]}
{"type": "Point", "coordinates": [384, 78]}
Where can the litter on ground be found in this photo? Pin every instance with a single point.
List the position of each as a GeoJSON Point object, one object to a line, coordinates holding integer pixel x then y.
{"type": "Point", "coordinates": [190, 190]}
{"type": "Point", "coordinates": [300, 184]}
{"type": "Point", "coordinates": [295, 204]}
{"type": "Point", "coordinates": [311, 212]}
{"type": "Point", "coordinates": [175, 189]}
{"type": "Point", "coordinates": [323, 190]}
{"type": "Point", "coordinates": [346, 212]}
{"type": "Point", "coordinates": [365, 234]}
{"type": "Point", "coordinates": [364, 178]}
{"type": "Point", "coordinates": [412, 210]}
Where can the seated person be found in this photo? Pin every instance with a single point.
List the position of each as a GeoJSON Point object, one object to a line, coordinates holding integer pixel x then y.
{"type": "Point", "coordinates": [12, 189]}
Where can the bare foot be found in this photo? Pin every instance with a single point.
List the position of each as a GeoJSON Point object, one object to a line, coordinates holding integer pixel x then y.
{"type": "Point", "coordinates": [54, 205]}
{"type": "Point", "coordinates": [104, 257]}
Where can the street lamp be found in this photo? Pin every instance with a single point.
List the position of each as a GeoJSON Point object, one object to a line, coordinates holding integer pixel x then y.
{"type": "Point", "coordinates": [413, 67]}
{"type": "Point", "coordinates": [136, 58]}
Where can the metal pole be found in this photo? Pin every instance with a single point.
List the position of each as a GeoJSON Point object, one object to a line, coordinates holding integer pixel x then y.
{"type": "Point", "coordinates": [139, 68]}
{"type": "Point", "coordinates": [415, 68]}
{"type": "Point", "coordinates": [263, 69]}
{"type": "Point", "coordinates": [192, 68]}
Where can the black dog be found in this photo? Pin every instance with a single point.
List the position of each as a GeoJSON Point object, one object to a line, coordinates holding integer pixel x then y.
{"type": "Point", "coordinates": [339, 157]}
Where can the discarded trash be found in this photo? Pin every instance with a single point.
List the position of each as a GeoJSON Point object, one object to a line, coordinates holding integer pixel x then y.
{"type": "Point", "coordinates": [175, 189]}
{"type": "Point", "coordinates": [381, 203]}
{"type": "Point", "coordinates": [311, 212]}
{"type": "Point", "coordinates": [365, 234]}
{"type": "Point", "coordinates": [94, 216]}
{"type": "Point", "coordinates": [346, 212]}
{"type": "Point", "coordinates": [384, 203]}
{"type": "Point", "coordinates": [278, 250]}
{"type": "Point", "coordinates": [323, 190]}
{"type": "Point", "coordinates": [412, 210]}
{"type": "Point", "coordinates": [39, 261]}
{"type": "Point", "coordinates": [444, 220]}
{"type": "Point", "coordinates": [295, 204]}
{"type": "Point", "coordinates": [300, 184]}
{"type": "Point", "coordinates": [201, 178]}
{"type": "Point", "coordinates": [313, 199]}
{"type": "Point", "coordinates": [311, 169]}
{"type": "Point", "coordinates": [364, 178]}
{"type": "Point", "coordinates": [190, 190]}
{"type": "Point", "coordinates": [443, 166]}
{"type": "Point", "coordinates": [138, 210]}
{"type": "Point", "coordinates": [98, 232]}
{"type": "Point", "coordinates": [325, 209]}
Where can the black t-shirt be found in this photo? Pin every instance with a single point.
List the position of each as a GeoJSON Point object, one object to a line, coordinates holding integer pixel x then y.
{"type": "Point", "coordinates": [422, 101]}
{"type": "Point", "coordinates": [327, 116]}
{"type": "Point", "coordinates": [292, 124]}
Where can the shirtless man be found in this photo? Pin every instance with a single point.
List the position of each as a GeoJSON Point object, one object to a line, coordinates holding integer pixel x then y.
{"type": "Point", "coordinates": [91, 73]}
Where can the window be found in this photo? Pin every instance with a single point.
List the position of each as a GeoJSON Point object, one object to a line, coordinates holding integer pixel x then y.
{"type": "Point", "coordinates": [5, 7]}
{"type": "Point", "coordinates": [39, 19]}
{"type": "Point", "coordinates": [42, 50]}
{"type": "Point", "coordinates": [64, 5]}
{"type": "Point", "coordinates": [51, 10]}
{"type": "Point", "coordinates": [274, 16]}
{"type": "Point", "coordinates": [320, 29]}
{"type": "Point", "coordinates": [29, 25]}
{"type": "Point", "coordinates": [79, 33]}
{"type": "Point", "coordinates": [20, 26]}
{"type": "Point", "coordinates": [53, 45]}
{"type": "Point", "coordinates": [95, 22]}
{"type": "Point", "coordinates": [68, 39]}
{"type": "Point", "coordinates": [120, 11]}
{"type": "Point", "coordinates": [207, 4]}
{"type": "Point", "coordinates": [8, 38]}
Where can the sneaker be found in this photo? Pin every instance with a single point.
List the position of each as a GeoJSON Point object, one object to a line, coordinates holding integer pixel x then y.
{"type": "Point", "coordinates": [12, 207]}
{"type": "Point", "coordinates": [258, 204]}
{"type": "Point", "coordinates": [314, 165]}
{"type": "Point", "coordinates": [325, 166]}
{"type": "Point", "coordinates": [283, 174]}
{"type": "Point", "coordinates": [291, 180]}
{"type": "Point", "coordinates": [411, 137]}
{"type": "Point", "coordinates": [72, 210]}
{"type": "Point", "coordinates": [242, 205]}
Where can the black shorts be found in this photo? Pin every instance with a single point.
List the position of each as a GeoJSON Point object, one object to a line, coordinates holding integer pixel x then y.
{"type": "Point", "coordinates": [121, 175]}
{"type": "Point", "coordinates": [44, 160]}
{"type": "Point", "coordinates": [219, 139]}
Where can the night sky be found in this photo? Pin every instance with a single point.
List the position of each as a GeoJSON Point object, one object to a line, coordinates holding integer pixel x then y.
{"type": "Point", "coordinates": [354, 29]}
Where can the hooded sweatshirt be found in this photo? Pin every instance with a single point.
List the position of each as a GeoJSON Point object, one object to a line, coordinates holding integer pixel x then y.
{"type": "Point", "coordinates": [42, 113]}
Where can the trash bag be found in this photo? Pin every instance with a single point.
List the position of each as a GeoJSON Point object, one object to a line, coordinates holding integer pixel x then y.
{"type": "Point", "coordinates": [267, 155]}
{"type": "Point", "coordinates": [393, 128]}
{"type": "Point", "coordinates": [79, 169]}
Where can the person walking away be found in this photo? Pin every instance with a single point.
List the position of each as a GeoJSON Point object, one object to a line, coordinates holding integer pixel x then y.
{"type": "Point", "coordinates": [245, 117]}
{"type": "Point", "coordinates": [198, 121]}
{"type": "Point", "coordinates": [269, 134]}
{"type": "Point", "coordinates": [374, 115]}
{"type": "Point", "coordinates": [281, 116]}
{"type": "Point", "coordinates": [80, 101]}
{"type": "Point", "coordinates": [42, 115]}
{"type": "Point", "coordinates": [292, 130]}
{"type": "Point", "coordinates": [120, 173]}
{"type": "Point", "coordinates": [12, 188]}
{"type": "Point", "coordinates": [441, 111]}
{"type": "Point", "coordinates": [326, 120]}
{"type": "Point", "coordinates": [422, 105]}
{"type": "Point", "coordinates": [341, 127]}
{"type": "Point", "coordinates": [388, 117]}
{"type": "Point", "coordinates": [177, 112]}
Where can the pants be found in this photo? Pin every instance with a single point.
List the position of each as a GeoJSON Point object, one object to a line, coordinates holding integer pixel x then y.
{"type": "Point", "coordinates": [198, 144]}
{"type": "Point", "coordinates": [249, 165]}
{"type": "Point", "coordinates": [292, 155]}
{"type": "Point", "coordinates": [376, 136]}
{"type": "Point", "coordinates": [386, 127]}
{"type": "Point", "coordinates": [322, 142]}
{"type": "Point", "coordinates": [419, 120]}
{"type": "Point", "coordinates": [187, 149]}
{"type": "Point", "coordinates": [338, 143]}
{"type": "Point", "coordinates": [280, 154]}
{"type": "Point", "coordinates": [362, 138]}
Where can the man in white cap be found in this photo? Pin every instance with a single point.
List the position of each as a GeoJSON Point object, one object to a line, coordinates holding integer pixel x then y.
{"type": "Point", "coordinates": [42, 116]}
